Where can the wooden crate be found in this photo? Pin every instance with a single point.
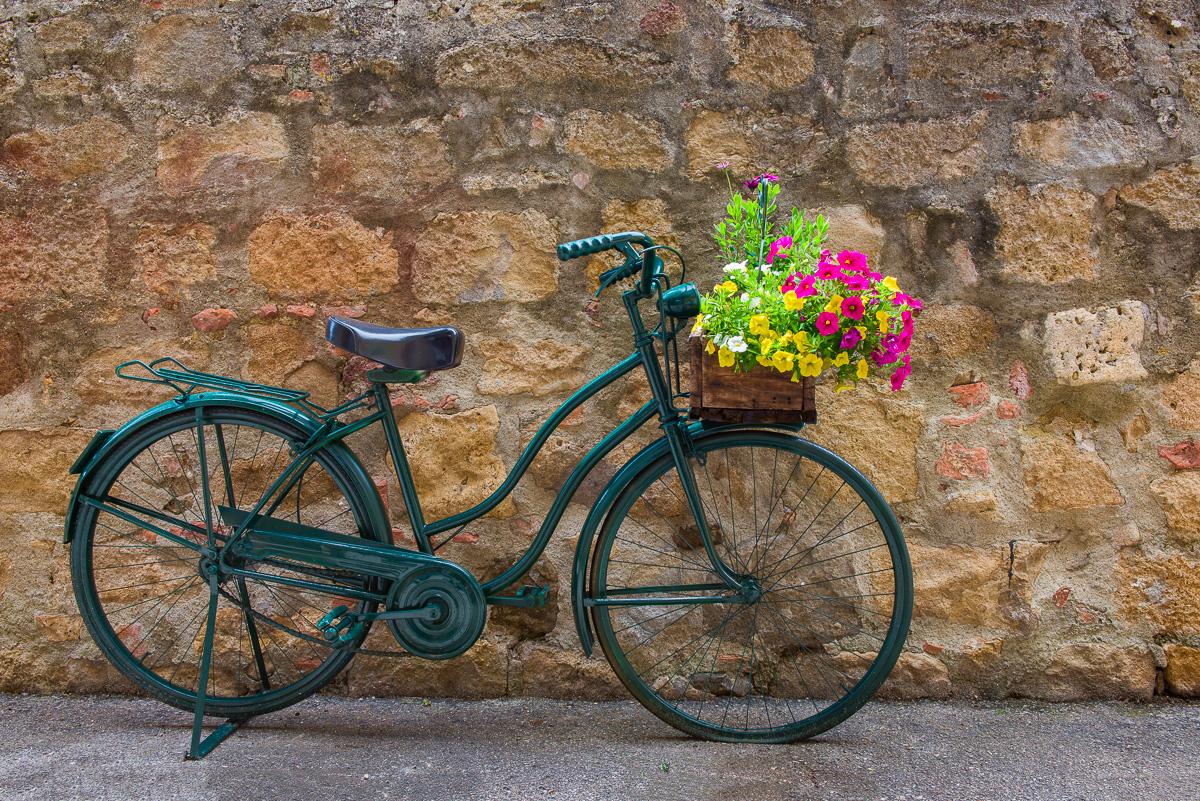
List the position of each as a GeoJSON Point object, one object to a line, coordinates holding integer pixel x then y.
{"type": "Point", "coordinates": [759, 396]}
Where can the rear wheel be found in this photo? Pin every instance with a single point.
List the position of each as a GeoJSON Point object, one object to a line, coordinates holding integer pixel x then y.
{"type": "Point", "coordinates": [140, 579]}
{"type": "Point", "coordinates": [827, 600]}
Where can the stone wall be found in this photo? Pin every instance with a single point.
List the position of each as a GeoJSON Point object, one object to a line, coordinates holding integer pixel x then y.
{"type": "Point", "coordinates": [212, 178]}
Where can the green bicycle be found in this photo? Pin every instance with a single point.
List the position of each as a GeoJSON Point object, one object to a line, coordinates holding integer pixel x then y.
{"type": "Point", "coordinates": [229, 551]}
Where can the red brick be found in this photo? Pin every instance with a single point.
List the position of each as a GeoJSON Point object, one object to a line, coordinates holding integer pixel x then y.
{"type": "Point", "coordinates": [1018, 381]}
{"type": "Point", "coordinates": [211, 320]}
{"type": "Point", "coordinates": [971, 394]}
{"type": "Point", "coordinates": [958, 422]}
{"type": "Point", "coordinates": [1182, 456]}
{"type": "Point", "coordinates": [1007, 410]}
{"type": "Point", "coordinates": [1060, 597]}
{"type": "Point", "coordinates": [959, 463]}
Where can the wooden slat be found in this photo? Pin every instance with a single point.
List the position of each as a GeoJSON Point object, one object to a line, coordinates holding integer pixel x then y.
{"type": "Point", "coordinates": [759, 396]}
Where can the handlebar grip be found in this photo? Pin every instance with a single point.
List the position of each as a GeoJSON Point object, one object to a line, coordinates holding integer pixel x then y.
{"type": "Point", "coordinates": [603, 242]}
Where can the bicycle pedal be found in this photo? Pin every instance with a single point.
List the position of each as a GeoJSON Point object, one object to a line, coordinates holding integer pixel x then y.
{"type": "Point", "coordinates": [535, 595]}
{"type": "Point", "coordinates": [339, 625]}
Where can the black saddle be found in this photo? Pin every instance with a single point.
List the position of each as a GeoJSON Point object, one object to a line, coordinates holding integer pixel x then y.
{"type": "Point", "coordinates": [402, 348]}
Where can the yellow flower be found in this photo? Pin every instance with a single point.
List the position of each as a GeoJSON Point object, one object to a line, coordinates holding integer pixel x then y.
{"type": "Point", "coordinates": [791, 301]}
{"type": "Point", "coordinates": [729, 286]}
{"type": "Point", "coordinates": [863, 367]}
{"type": "Point", "coordinates": [766, 342]}
{"type": "Point", "coordinates": [842, 359]}
{"type": "Point", "coordinates": [712, 348]}
{"type": "Point", "coordinates": [699, 323]}
{"type": "Point", "coordinates": [725, 357]}
{"type": "Point", "coordinates": [882, 317]}
{"type": "Point", "coordinates": [810, 365]}
{"type": "Point", "coordinates": [765, 361]}
{"type": "Point", "coordinates": [800, 340]}
{"type": "Point", "coordinates": [784, 362]}
{"type": "Point", "coordinates": [840, 386]}
{"type": "Point", "coordinates": [835, 304]}
{"type": "Point", "coordinates": [890, 283]}
{"type": "Point", "coordinates": [760, 325]}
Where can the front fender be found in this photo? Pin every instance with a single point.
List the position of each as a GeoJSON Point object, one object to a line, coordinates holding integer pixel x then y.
{"type": "Point", "coordinates": [105, 442]}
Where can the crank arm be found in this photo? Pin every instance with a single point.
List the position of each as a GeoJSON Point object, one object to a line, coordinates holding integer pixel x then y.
{"type": "Point", "coordinates": [427, 612]}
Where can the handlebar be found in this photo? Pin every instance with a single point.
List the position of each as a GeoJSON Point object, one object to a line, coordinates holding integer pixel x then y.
{"type": "Point", "coordinates": [623, 242]}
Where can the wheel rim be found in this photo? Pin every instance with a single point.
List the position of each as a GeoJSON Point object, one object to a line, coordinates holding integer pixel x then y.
{"type": "Point", "coordinates": [826, 594]}
{"type": "Point", "coordinates": [145, 596]}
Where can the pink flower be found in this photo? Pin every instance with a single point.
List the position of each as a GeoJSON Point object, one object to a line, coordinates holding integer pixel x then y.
{"type": "Point", "coordinates": [857, 283]}
{"type": "Point", "coordinates": [853, 308]}
{"type": "Point", "coordinates": [902, 372]}
{"type": "Point", "coordinates": [756, 180]}
{"type": "Point", "coordinates": [828, 272]}
{"type": "Point", "coordinates": [827, 323]}
{"type": "Point", "coordinates": [851, 338]}
{"type": "Point", "coordinates": [780, 245]}
{"type": "Point", "coordinates": [852, 261]}
{"type": "Point", "coordinates": [803, 288]}
{"type": "Point", "coordinates": [723, 165]}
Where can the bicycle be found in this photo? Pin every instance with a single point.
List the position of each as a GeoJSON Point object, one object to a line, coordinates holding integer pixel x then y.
{"type": "Point", "coordinates": [229, 552]}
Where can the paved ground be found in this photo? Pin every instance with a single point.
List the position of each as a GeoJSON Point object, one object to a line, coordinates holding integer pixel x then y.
{"type": "Point", "coordinates": [330, 749]}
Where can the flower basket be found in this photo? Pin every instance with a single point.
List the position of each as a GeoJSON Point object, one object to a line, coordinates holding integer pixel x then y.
{"type": "Point", "coordinates": [721, 394]}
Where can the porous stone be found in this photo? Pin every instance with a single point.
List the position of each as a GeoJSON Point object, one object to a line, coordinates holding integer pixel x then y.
{"type": "Point", "coordinates": [496, 12]}
{"type": "Point", "coordinates": [1107, 50]}
{"type": "Point", "coordinates": [97, 383]}
{"type": "Point", "coordinates": [53, 253]}
{"type": "Point", "coordinates": [503, 65]}
{"type": "Point", "coordinates": [751, 143]}
{"type": "Point", "coordinates": [88, 149]}
{"type": "Point", "coordinates": [1080, 671]}
{"type": "Point", "coordinates": [648, 215]}
{"type": "Point", "coordinates": [478, 256]}
{"type": "Point", "coordinates": [169, 259]}
{"type": "Point", "coordinates": [875, 433]}
{"type": "Point", "coordinates": [1079, 143]}
{"type": "Point", "coordinates": [454, 461]}
{"type": "Point", "coordinates": [1171, 193]}
{"type": "Point", "coordinates": [239, 151]}
{"type": "Point", "coordinates": [952, 331]}
{"type": "Point", "coordinates": [1182, 397]}
{"type": "Point", "coordinates": [33, 468]}
{"type": "Point", "coordinates": [185, 52]}
{"type": "Point", "coordinates": [46, 670]}
{"type": "Point", "coordinates": [1045, 233]}
{"type": "Point", "coordinates": [482, 672]}
{"type": "Point", "coordinates": [868, 85]}
{"type": "Point", "coordinates": [664, 19]}
{"type": "Point", "coordinates": [977, 586]}
{"type": "Point", "coordinates": [975, 659]}
{"type": "Point", "coordinates": [1089, 347]}
{"type": "Point", "coordinates": [1059, 475]}
{"type": "Point", "coordinates": [916, 676]}
{"type": "Point", "coordinates": [773, 58]}
{"type": "Point", "coordinates": [616, 141]}
{"type": "Point", "coordinates": [1179, 496]}
{"type": "Point", "coordinates": [958, 463]}
{"type": "Point", "coordinates": [984, 54]}
{"type": "Point", "coordinates": [323, 256]}
{"type": "Point", "coordinates": [544, 367]}
{"type": "Point", "coordinates": [1182, 674]}
{"type": "Point", "coordinates": [211, 320]}
{"type": "Point", "coordinates": [1162, 590]}
{"type": "Point", "coordinates": [904, 154]}
{"type": "Point", "coordinates": [553, 673]}
{"type": "Point", "coordinates": [852, 228]}
{"type": "Point", "coordinates": [13, 367]}
{"type": "Point", "coordinates": [281, 355]}
{"type": "Point", "coordinates": [974, 502]}
{"type": "Point", "coordinates": [59, 628]}
{"type": "Point", "coordinates": [380, 161]}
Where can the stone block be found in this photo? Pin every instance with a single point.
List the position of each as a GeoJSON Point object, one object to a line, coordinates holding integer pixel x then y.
{"type": "Point", "coordinates": [65, 154]}
{"type": "Point", "coordinates": [1090, 347]}
{"type": "Point", "coordinates": [544, 367]}
{"type": "Point", "coordinates": [389, 162]}
{"type": "Point", "coordinates": [240, 150]}
{"type": "Point", "coordinates": [1182, 674]}
{"type": "Point", "coordinates": [454, 461]}
{"type": "Point", "coordinates": [14, 370]}
{"type": "Point", "coordinates": [974, 502]}
{"type": "Point", "coordinates": [33, 468]}
{"type": "Point", "coordinates": [916, 676]}
{"type": "Point", "coordinates": [185, 52]}
{"type": "Point", "coordinates": [281, 355]}
{"type": "Point", "coordinates": [1082, 671]}
{"type": "Point", "coordinates": [754, 143]}
{"type": "Point", "coordinates": [169, 259]}
{"type": "Point", "coordinates": [568, 676]}
{"type": "Point", "coordinates": [323, 256]}
{"type": "Point", "coordinates": [508, 64]}
{"type": "Point", "coordinates": [1182, 397]}
{"type": "Point", "coordinates": [951, 332]}
{"type": "Point", "coordinates": [616, 141]}
{"type": "Point", "coordinates": [97, 383]}
{"type": "Point", "coordinates": [906, 154]}
{"type": "Point", "coordinates": [1107, 50]}
{"type": "Point", "coordinates": [985, 54]}
{"type": "Point", "coordinates": [1162, 590]}
{"type": "Point", "coordinates": [1078, 143]}
{"type": "Point", "coordinates": [1170, 193]}
{"type": "Point", "coordinates": [875, 433]}
{"type": "Point", "coordinates": [478, 256]}
{"type": "Point", "coordinates": [773, 58]}
{"type": "Point", "coordinates": [1045, 233]}
{"type": "Point", "coordinates": [53, 252]}
{"type": "Point", "coordinates": [977, 586]}
{"type": "Point", "coordinates": [852, 228]}
{"type": "Point", "coordinates": [1059, 475]}
{"type": "Point", "coordinates": [1179, 496]}
{"type": "Point", "coordinates": [482, 672]}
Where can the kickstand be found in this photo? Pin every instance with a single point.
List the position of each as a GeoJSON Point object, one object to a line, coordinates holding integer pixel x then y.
{"type": "Point", "coordinates": [202, 748]}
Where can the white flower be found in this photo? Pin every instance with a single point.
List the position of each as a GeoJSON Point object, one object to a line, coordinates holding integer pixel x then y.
{"type": "Point", "coordinates": [755, 303]}
{"type": "Point", "coordinates": [719, 340]}
{"type": "Point", "coordinates": [745, 297]}
{"type": "Point", "coordinates": [736, 344]}
{"type": "Point", "coordinates": [735, 266]}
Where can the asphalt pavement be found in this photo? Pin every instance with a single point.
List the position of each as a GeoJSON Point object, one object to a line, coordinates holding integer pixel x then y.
{"type": "Point", "coordinates": [94, 748]}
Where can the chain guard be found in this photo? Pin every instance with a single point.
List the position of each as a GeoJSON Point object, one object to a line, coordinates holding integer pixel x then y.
{"type": "Point", "coordinates": [460, 600]}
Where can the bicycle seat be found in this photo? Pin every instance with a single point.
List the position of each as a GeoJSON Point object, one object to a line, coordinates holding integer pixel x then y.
{"type": "Point", "coordinates": [402, 348]}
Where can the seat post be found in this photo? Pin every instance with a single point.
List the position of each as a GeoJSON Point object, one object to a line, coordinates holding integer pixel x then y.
{"type": "Point", "coordinates": [408, 489]}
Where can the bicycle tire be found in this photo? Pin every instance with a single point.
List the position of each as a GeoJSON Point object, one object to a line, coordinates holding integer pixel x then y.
{"type": "Point", "coordinates": [821, 543]}
{"type": "Point", "coordinates": [143, 597]}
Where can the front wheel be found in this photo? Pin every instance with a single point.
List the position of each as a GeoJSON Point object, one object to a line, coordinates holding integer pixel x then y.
{"type": "Point", "coordinates": [823, 609]}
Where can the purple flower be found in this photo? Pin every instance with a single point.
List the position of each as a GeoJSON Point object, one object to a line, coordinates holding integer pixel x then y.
{"type": "Point", "coordinates": [723, 165]}
{"type": "Point", "coordinates": [827, 323]}
{"type": "Point", "coordinates": [851, 338]}
{"type": "Point", "coordinates": [756, 180]}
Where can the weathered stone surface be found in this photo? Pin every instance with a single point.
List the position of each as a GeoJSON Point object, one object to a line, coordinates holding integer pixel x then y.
{"type": "Point", "coordinates": [982, 54]}
{"type": "Point", "coordinates": [454, 461]}
{"type": "Point", "coordinates": [185, 52]}
{"type": "Point", "coordinates": [1182, 674]}
{"type": "Point", "coordinates": [1170, 193]}
{"type": "Point", "coordinates": [41, 671]}
{"type": "Point", "coordinates": [495, 12]}
{"type": "Point", "coordinates": [975, 659]}
{"type": "Point", "coordinates": [1179, 497]}
{"type": "Point", "coordinates": [1182, 397]}
{"type": "Point", "coordinates": [211, 320]}
{"type": "Point", "coordinates": [974, 586]}
{"type": "Point", "coordinates": [974, 502]}
{"type": "Point", "coordinates": [1097, 670]}
{"type": "Point", "coordinates": [951, 332]}
{"type": "Point", "coordinates": [1007, 410]}
{"type": "Point", "coordinates": [513, 367]}
{"type": "Point", "coordinates": [52, 253]}
{"type": "Point", "coordinates": [968, 395]}
{"type": "Point", "coordinates": [33, 468]}
{"type": "Point", "coordinates": [916, 676]}
{"type": "Point", "coordinates": [774, 58]}
{"type": "Point", "coordinates": [59, 628]}
{"type": "Point", "coordinates": [1079, 143]}
{"type": "Point", "coordinates": [482, 672]}
{"type": "Point", "coordinates": [238, 151]}
{"type": "Point", "coordinates": [326, 256]}
{"type": "Point", "coordinates": [616, 141]}
{"type": "Point", "coordinates": [852, 228]}
{"type": "Point", "coordinates": [380, 161]}
{"type": "Point", "coordinates": [88, 149]}
{"type": "Point", "coordinates": [97, 382]}
{"type": "Point", "coordinates": [485, 255]}
{"type": "Point", "coordinates": [553, 673]}
{"type": "Point", "coordinates": [1061, 475]}
{"type": "Point", "coordinates": [552, 62]}
{"type": "Point", "coordinates": [169, 259]}
{"type": "Point", "coordinates": [664, 19]}
{"type": "Point", "coordinates": [958, 463]}
{"type": "Point", "coordinates": [13, 367]}
{"type": "Point", "coordinates": [1045, 233]}
{"type": "Point", "coordinates": [915, 153]}
{"type": "Point", "coordinates": [1107, 50]}
{"type": "Point", "coordinates": [875, 433]}
{"type": "Point", "coordinates": [281, 355]}
{"type": "Point", "coordinates": [1088, 347]}
{"type": "Point", "coordinates": [752, 144]}
{"type": "Point", "coordinates": [1162, 590]}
